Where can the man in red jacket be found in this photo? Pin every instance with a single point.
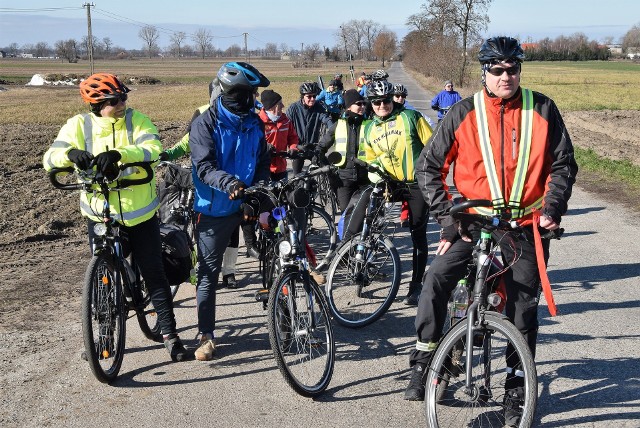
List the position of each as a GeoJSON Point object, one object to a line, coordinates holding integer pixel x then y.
{"type": "Point", "coordinates": [520, 130]}
{"type": "Point", "coordinates": [278, 131]}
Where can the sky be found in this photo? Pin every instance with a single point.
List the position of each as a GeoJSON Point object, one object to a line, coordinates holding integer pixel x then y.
{"type": "Point", "coordinates": [293, 22]}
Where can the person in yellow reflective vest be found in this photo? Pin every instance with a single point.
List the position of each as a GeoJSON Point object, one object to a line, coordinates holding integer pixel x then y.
{"type": "Point", "coordinates": [110, 134]}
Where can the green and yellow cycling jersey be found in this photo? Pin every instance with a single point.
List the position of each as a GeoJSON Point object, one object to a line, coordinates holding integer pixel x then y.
{"type": "Point", "coordinates": [395, 143]}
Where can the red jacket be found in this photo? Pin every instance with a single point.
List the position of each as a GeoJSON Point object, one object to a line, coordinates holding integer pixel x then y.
{"type": "Point", "coordinates": [282, 136]}
{"type": "Point", "coordinates": [552, 168]}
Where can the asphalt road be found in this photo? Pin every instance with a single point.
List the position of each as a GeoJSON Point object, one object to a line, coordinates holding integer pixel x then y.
{"type": "Point", "coordinates": [587, 360]}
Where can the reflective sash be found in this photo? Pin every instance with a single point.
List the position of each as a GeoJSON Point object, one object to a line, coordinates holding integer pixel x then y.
{"type": "Point", "coordinates": [526, 127]}
{"type": "Point", "coordinates": [340, 144]}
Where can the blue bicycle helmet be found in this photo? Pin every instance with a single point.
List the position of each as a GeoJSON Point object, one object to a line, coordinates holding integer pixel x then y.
{"type": "Point", "coordinates": [240, 75]}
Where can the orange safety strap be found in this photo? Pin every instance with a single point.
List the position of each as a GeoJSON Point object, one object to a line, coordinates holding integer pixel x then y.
{"type": "Point", "coordinates": [542, 268]}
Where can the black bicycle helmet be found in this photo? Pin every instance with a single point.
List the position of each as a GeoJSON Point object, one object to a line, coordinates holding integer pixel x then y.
{"type": "Point", "coordinates": [379, 75]}
{"type": "Point", "coordinates": [309, 88]}
{"type": "Point", "coordinates": [379, 89]}
{"type": "Point", "coordinates": [400, 89]}
{"type": "Point", "coordinates": [497, 49]}
{"type": "Point", "coordinates": [240, 75]}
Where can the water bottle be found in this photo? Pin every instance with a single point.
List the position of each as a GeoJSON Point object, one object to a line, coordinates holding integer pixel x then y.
{"type": "Point", "coordinates": [360, 251]}
{"type": "Point", "coordinates": [459, 302]}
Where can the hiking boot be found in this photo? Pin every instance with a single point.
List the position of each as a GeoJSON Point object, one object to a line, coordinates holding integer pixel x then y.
{"type": "Point", "coordinates": [206, 348]}
{"type": "Point", "coordinates": [252, 252]}
{"type": "Point", "coordinates": [513, 402]}
{"type": "Point", "coordinates": [415, 390]}
{"type": "Point", "coordinates": [229, 281]}
{"type": "Point", "coordinates": [176, 349]}
{"type": "Point", "coordinates": [415, 288]}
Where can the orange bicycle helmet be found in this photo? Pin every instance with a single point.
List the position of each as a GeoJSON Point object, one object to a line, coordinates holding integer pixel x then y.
{"type": "Point", "coordinates": [100, 87]}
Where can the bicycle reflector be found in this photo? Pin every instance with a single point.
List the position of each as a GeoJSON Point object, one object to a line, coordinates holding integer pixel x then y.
{"type": "Point", "coordinates": [100, 229]}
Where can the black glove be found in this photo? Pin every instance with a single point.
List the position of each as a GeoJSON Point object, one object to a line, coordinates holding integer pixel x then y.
{"type": "Point", "coordinates": [251, 208]}
{"type": "Point", "coordinates": [449, 233]}
{"type": "Point", "coordinates": [105, 160]}
{"type": "Point", "coordinates": [236, 190]}
{"type": "Point", "coordinates": [163, 156]}
{"type": "Point", "coordinates": [436, 108]}
{"type": "Point", "coordinates": [81, 158]}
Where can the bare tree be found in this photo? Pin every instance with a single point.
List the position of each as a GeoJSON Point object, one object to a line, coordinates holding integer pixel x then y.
{"type": "Point", "coordinates": [271, 49]}
{"type": "Point", "coordinates": [312, 51]}
{"type": "Point", "coordinates": [177, 39]}
{"type": "Point", "coordinates": [385, 45]}
{"type": "Point", "coordinates": [233, 50]}
{"type": "Point", "coordinates": [67, 49]}
{"type": "Point", "coordinates": [203, 39]}
{"type": "Point", "coordinates": [352, 33]}
{"type": "Point", "coordinates": [42, 49]}
{"type": "Point", "coordinates": [470, 18]}
{"type": "Point", "coordinates": [284, 48]}
{"type": "Point", "coordinates": [370, 32]}
{"type": "Point", "coordinates": [107, 43]}
{"type": "Point", "coordinates": [150, 34]}
{"type": "Point", "coordinates": [631, 39]}
{"type": "Point", "coordinates": [13, 49]}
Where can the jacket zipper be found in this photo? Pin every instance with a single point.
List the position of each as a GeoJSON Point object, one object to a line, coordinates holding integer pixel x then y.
{"type": "Point", "coordinates": [513, 143]}
{"type": "Point", "coordinates": [502, 146]}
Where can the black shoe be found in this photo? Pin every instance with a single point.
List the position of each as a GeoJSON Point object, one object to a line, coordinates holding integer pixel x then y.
{"type": "Point", "coordinates": [513, 402]}
{"type": "Point", "coordinates": [415, 390]}
{"type": "Point", "coordinates": [229, 281]}
{"type": "Point", "coordinates": [253, 252]}
{"type": "Point", "coordinates": [413, 295]}
{"type": "Point", "coordinates": [176, 349]}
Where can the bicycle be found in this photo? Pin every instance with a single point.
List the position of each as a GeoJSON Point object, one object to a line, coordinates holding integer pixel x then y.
{"type": "Point", "coordinates": [364, 275]}
{"type": "Point", "coordinates": [298, 316]}
{"type": "Point", "coordinates": [465, 383]}
{"type": "Point", "coordinates": [113, 286]}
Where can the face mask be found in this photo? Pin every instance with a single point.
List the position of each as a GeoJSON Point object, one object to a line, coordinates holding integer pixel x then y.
{"type": "Point", "coordinates": [272, 117]}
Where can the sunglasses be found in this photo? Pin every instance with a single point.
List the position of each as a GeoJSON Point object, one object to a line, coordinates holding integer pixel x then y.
{"type": "Point", "coordinates": [310, 96]}
{"type": "Point", "coordinates": [497, 71]}
{"type": "Point", "coordinates": [114, 101]}
{"type": "Point", "coordinates": [382, 101]}
{"type": "Point", "coordinates": [400, 96]}
{"type": "Point", "coordinates": [360, 103]}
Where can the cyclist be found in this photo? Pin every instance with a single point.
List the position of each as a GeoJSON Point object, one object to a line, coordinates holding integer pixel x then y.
{"type": "Point", "coordinates": [309, 120]}
{"type": "Point", "coordinates": [344, 137]}
{"type": "Point", "coordinates": [339, 84]}
{"type": "Point", "coordinates": [360, 82]}
{"type": "Point", "coordinates": [546, 181]}
{"type": "Point", "coordinates": [228, 153]}
{"type": "Point", "coordinates": [393, 140]}
{"type": "Point", "coordinates": [445, 99]}
{"type": "Point", "coordinates": [110, 134]}
{"type": "Point", "coordinates": [332, 100]}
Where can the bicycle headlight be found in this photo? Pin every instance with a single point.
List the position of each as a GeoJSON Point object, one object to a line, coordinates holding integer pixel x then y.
{"type": "Point", "coordinates": [100, 229]}
{"type": "Point", "coordinates": [284, 248]}
{"type": "Point", "coordinates": [494, 300]}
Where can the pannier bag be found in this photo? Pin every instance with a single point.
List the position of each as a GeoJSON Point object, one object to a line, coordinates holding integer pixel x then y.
{"type": "Point", "coordinates": [176, 253]}
{"type": "Point", "coordinates": [173, 189]}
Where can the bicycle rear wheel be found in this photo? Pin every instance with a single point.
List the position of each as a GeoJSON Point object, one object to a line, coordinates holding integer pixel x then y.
{"type": "Point", "coordinates": [325, 197]}
{"type": "Point", "coordinates": [146, 314]}
{"type": "Point", "coordinates": [362, 284]}
{"type": "Point", "coordinates": [103, 319]}
{"type": "Point", "coordinates": [483, 405]}
{"type": "Point", "coordinates": [300, 333]}
{"type": "Point", "coordinates": [321, 235]}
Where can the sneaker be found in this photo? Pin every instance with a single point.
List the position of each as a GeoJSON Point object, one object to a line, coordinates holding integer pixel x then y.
{"type": "Point", "coordinates": [513, 402]}
{"type": "Point", "coordinates": [415, 390]}
{"type": "Point", "coordinates": [176, 349]}
{"type": "Point", "coordinates": [229, 281]}
{"type": "Point", "coordinates": [253, 253]}
{"type": "Point", "coordinates": [206, 348]}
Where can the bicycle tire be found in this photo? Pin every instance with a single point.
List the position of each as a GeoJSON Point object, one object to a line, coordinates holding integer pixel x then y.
{"type": "Point", "coordinates": [103, 319]}
{"type": "Point", "coordinates": [325, 197]}
{"type": "Point", "coordinates": [360, 292]}
{"type": "Point", "coordinates": [146, 314]}
{"type": "Point", "coordinates": [484, 407]}
{"type": "Point", "coordinates": [305, 358]}
{"type": "Point", "coordinates": [321, 235]}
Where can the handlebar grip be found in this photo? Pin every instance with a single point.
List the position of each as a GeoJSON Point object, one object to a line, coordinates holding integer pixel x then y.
{"type": "Point", "coordinates": [321, 170]}
{"type": "Point", "coordinates": [137, 181]}
{"type": "Point", "coordinates": [462, 206]}
{"type": "Point", "coordinates": [53, 178]}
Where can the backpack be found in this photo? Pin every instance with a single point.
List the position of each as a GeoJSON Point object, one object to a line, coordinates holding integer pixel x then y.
{"type": "Point", "coordinates": [176, 253]}
{"type": "Point", "coordinates": [172, 191]}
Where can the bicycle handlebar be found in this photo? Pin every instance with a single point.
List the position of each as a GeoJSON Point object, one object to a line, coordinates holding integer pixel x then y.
{"type": "Point", "coordinates": [373, 168]}
{"type": "Point", "coordinates": [99, 178]}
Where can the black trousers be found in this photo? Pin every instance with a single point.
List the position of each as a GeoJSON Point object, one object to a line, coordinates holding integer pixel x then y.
{"type": "Point", "coordinates": [522, 283]}
{"type": "Point", "coordinates": [144, 242]}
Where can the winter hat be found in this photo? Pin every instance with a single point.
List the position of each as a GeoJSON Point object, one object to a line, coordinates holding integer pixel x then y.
{"type": "Point", "coordinates": [269, 98]}
{"type": "Point", "coordinates": [448, 82]}
{"type": "Point", "coordinates": [351, 96]}
{"type": "Point", "coordinates": [333, 83]}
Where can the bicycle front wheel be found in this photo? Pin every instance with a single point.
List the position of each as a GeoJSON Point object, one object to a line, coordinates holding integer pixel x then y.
{"type": "Point", "coordinates": [300, 333]}
{"type": "Point", "coordinates": [103, 319]}
{"type": "Point", "coordinates": [321, 235]}
{"type": "Point", "coordinates": [146, 314]}
{"type": "Point", "coordinates": [363, 282]}
{"type": "Point", "coordinates": [495, 342]}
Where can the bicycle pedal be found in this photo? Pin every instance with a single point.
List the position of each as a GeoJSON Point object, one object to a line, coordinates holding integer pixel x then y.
{"type": "Point", "coordinates": [262, 295]}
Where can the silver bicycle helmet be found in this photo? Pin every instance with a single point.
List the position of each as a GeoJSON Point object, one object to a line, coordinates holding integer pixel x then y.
{"type": "Point", "coordinates": [400, 89]}
{"type": "Point", "coordinates": [379, 89]}
{"type": "Point", "coordinates": [309, 88]}
{"type": "Point", "coordinates": [379, 75]}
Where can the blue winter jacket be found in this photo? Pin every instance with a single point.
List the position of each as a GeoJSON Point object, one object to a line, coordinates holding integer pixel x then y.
{"type": "Point", "coordinates": [333, 100]}
{"type": "Point", "coordinates": [443, 101]}
{"type": "Point", "coordinates": [225, 147]}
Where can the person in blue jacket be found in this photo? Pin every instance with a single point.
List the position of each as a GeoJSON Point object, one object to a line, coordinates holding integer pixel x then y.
{"type": "Point", "coordinates": [229, 153]}
{"type": "Point", "coordinates": [445, 99]}
{"type": "Point", "coordinates": [332, 100]}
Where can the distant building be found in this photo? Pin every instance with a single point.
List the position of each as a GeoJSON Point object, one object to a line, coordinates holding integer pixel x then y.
{"type": "Point", "coordinates": [526, 46]}
{"type": "Point", "coordinates": [26, 55]}
{"type": "Point", "coordinates": [615, 49]}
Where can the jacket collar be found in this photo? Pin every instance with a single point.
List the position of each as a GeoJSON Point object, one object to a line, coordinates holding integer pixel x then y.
{"type": "Point", "coordinates": [509, 104]}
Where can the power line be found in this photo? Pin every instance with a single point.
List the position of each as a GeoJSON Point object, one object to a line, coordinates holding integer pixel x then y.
{"type": "Point", "coordinates": [45, 9]}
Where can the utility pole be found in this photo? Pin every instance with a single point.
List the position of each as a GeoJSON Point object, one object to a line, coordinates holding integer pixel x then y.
{"type": "Point", "coordinates": [90, 36]}
{"type": "Point", "coordinates": [246, 50]}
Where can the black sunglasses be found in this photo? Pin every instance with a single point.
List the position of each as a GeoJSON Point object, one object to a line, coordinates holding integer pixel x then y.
{"type": "Point", "coordinates": [114, 101]}
{"type": "Point", "coordinates": [310, 95]}
{"type": "Point", "coordinates": [497, 71]}
{"type": "Point", "coordinates": [381, 101]}
{"type": "Point", "coordinates": [360, 103]}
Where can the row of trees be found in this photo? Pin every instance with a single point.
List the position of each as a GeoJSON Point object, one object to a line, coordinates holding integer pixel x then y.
{"type": "Point", "coordinates": [576, 47]}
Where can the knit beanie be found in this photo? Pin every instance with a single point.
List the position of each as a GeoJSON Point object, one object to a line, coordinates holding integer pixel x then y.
{"type": "Point", "coordinates": [269, 98]}
{"type": "Point", "coordinates": [351, 96]}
